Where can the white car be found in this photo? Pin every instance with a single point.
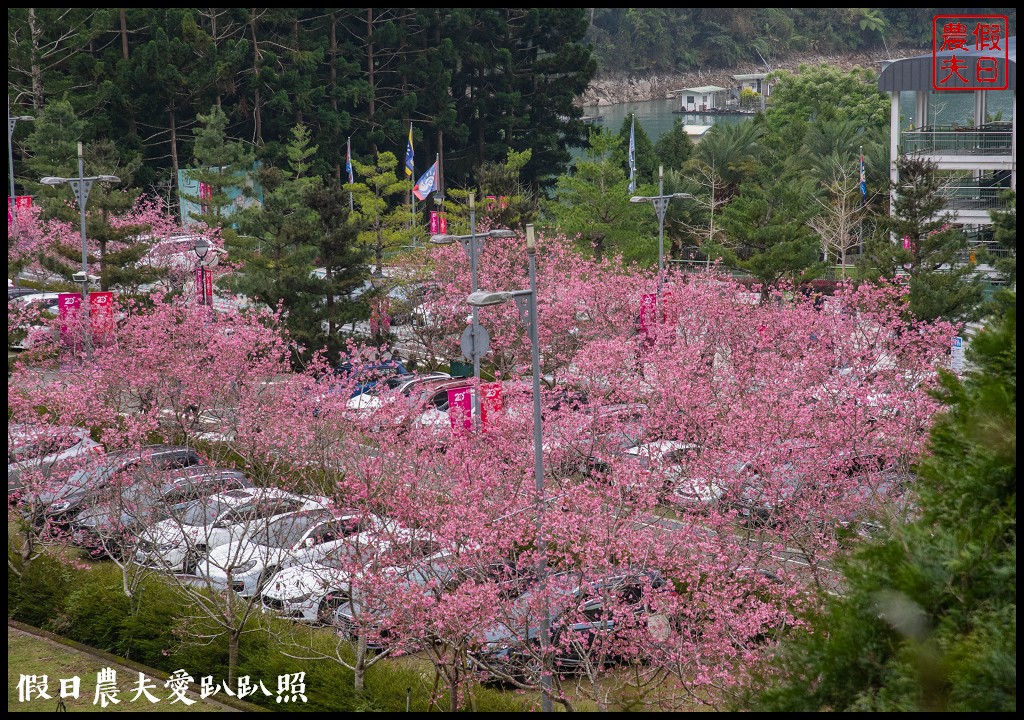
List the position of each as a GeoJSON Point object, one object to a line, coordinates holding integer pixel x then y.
{"type": "Point", "coordinates": [296, 538]}
{"type": "Point", "coordinates": [37, 451]}
{"type": "Point", "coordinates": [374, 398]}
{"type": "Point", "coordinates": [180, 542]}
{"type": "Point", "coordinates": [44, 304]}
{"type": "Point", "coordinates": [177, 253]}
{"type": "Point", "coordinates": [317, 591]}
{"type": "Point", "coordinates": [670, 460]}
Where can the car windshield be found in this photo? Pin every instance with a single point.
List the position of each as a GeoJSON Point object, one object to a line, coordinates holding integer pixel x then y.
{"type": "Point", "coordinates": [285, 531]}
{"type": "Point", "coordinates": [202, 512]}
{"type": "Point", "coordinates": [93, 477]}
{"type": "Point", "coordinates": [30, 444]}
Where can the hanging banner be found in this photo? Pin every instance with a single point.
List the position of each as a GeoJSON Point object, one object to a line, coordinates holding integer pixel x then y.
{"type": "Point", "coordinates": [69, 306]}
{"type": "Point", "coordinates": [21, 202]}
{"type": "Point", "coordinates": [101, 317]}
{"type": "Point", "coordinates": [438, 223]}
{"type": "Point", "coordinates": [648, 313]}
{"type": "Point", "coordinates": [204, 276]}
{"type": "Point", "coordinates": [460, 409]}
{"type": "Point", "coordinates": [490, 401]}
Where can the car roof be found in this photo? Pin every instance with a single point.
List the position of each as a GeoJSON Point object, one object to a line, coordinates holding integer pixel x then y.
{"type": "Point", "coordinates": [35, 297]}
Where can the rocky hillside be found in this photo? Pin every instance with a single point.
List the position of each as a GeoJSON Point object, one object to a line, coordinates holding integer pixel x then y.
{"type": "Point", "coordinates": [612, 90]}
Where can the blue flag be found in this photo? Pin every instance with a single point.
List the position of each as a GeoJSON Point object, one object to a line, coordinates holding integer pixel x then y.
{"type": "Point", "coordinates": [409, 164]}
{"type": "Point", "coordinates": [632, 157]}
{"type": "Point", "coordinates": [427, 183]}
{"type": "Point", "coordinates": [348, 162]}
{"type": "Point", "coordinates": [863, 176]}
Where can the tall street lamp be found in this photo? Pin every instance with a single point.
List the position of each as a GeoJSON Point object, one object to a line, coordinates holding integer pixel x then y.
{"type": "Point", "coordinates": [526, 301]}
{"type": "Point", "coordinates": [478, 340]}
{"type": "Point", "coordinates": [660, 203]}
{"type": "Point", "coordinates": [12, 203]}
{"type": "Point", "coordinates": [202, 247]}
{"type": "Point", "coordinates": [81, 186]}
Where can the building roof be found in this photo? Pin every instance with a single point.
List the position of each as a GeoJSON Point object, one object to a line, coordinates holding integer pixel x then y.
{"type": "Point", "coordinates": [696, 130]}
{"type": "Point", "coordinates": [750, 76]}
{"type": "Point", "coordinates": [702, 89]}
{"type": "Point", "coordinates": [918, 72]}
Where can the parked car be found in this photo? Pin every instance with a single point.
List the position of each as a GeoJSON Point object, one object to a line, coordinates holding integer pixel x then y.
{"type": "Point", "coordinates": [605, 436]}
{"type": "Point", "coordinates": [16, 292]}
{"type": "Point", "coordinates": [62, 501]}
{"type": "Point", "coordinates": [117, 514]}
{"type": "Point", "coordinates": [580, 610]}
{"type": "Point", "coordinates": [408, 386]}
{"type": "Point", "coordinates": [178, 543]}
{"type": "Point", "coordinates": [43, 305]}
{"type": "Point", "coordinates": [671, 462]}
{"type": "Point", "coordinates": [39, 451]}
{"type": "Point", "coordinates": [296, 538]}
{"type": "Point", "coordinates": [176, 253]}
{"type": "Point", "coordinates": [313, 591]}
{"type": "Point", "coordinates": [367, 375]}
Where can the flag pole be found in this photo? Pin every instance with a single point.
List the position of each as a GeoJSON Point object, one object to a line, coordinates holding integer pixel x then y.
{"type": "Point", "coordinates": [349, 169]}
{"type": "Point", "coordinates": [410, 170]}
{"type": "Point", "coordinates": [863, 206]}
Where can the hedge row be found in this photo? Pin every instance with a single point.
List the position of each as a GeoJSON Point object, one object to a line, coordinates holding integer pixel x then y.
{"type": "Point", "coordinates": [87, 605]}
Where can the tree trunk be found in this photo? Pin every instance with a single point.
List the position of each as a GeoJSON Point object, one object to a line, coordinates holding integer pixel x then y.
{"type": "Point", "coordinates": [332, 76]}
{"type": "Point", "coordinates": [232, 656]}
{"type": "Point", "coordinates": [174, 154]}
{"type": "Point", "coordinates": [372, 106]}
{"type": "Point", "coordinates": [36, 68]}
{"type": "Point", "coordinates": [133, 128]}
{"type": "Point", "coordinates": [359, 667]}
{"type": "Point", "coordinates": [257, 133]}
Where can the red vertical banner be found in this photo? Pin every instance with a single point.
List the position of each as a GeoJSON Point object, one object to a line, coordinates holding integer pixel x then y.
{"type": "Point", "coordinates": [69, 308]}
{"type": "Point", "coordinates": [204, 295]}
{"type": "Point", "coordinates": [101, 317]}
{"type": "Point", "coordinates": [460, 409]}
{"type": "Point", "coordinates": [490, 401]}
{"type": "Point", "coordinates": [21, 202]}
{"type": "Point", "coordinates": [648, 313]}
{"type": "Point", "coordinates": [438, 223]}
{"type": "Point", "coordinates": [666, 303]}
{"type": "Point", "coordinates": [205, 193]}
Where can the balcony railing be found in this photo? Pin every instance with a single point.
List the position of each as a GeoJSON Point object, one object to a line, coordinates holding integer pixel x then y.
{"type": "Point", "coordinates": [974, 197]}
{"type": "Point", "coordinates": [989, 139]}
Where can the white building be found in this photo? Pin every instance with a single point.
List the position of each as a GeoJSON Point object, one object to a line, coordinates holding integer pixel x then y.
{"type": "Point", "coordinates": [706, 98]}
{"type": "Point", "coordinates": [980, 155]}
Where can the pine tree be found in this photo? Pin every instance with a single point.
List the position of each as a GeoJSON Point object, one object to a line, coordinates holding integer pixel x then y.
{"type": "Point", "coordinates": [919, 238]}
{"type": "Point", "coordinates": [928, 621]}
{"type": "Point", "coordinates": [219, 164]}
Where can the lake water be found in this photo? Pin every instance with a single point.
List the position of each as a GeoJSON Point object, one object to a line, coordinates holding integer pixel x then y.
{"type": "Point", "coordinates": [657, 116]}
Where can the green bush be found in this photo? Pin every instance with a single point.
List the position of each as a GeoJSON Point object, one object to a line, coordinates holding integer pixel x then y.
{"type": "Point", "coordinates": [37, 595]}
{"type": "Point", "coordinates": [90, 607]}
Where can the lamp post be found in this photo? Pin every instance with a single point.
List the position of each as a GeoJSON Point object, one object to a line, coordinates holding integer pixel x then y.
{"type": "Point", "coordinates": [470, 245]}
{"type": "Point", "coordinates": [526, 301]}
{"type": "Point", "coordinates": [202, 247]}
{"type": "Point", "coordinates": [12, 201]}
{"type": "Point", "coordinates": [81, 186]}
{"type": "Point", "coordinates": [660, 203]}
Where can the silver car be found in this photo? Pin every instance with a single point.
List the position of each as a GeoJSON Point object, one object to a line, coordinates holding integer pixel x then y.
{"type": "Point", "coordinates": [37, 451]}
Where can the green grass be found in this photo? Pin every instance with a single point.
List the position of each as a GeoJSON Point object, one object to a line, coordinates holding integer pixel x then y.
{"type": "Point", "coordinates": [31, 655]}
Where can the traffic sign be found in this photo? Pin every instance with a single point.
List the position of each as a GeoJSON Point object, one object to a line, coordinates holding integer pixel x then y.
{"type": "Point", "coordinates": [483, 342]}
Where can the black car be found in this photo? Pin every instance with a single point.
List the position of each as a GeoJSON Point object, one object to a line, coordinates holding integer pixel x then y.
{"type": "Point", "coordinates": [116, 513]}
{"type": "Point", "coordinates": [59, 504]}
